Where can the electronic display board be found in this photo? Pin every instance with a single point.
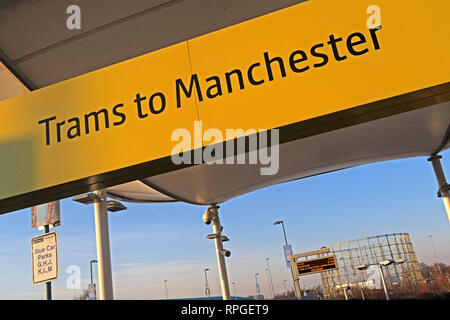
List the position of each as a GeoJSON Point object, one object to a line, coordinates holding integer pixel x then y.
{"type": "Point", "coordinates": [316, 265]}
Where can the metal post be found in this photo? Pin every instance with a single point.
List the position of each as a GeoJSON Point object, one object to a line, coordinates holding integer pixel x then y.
{"type": "Point", "coordinates": [90, 265]}
{"type": "Point", "coordinates": [257, 287]}
{"type": "Point", "coordinates": [208, 293]}
{"type": "Point", "coordinates": [103, 250]}
{"type": "Point", "coordinates": [384, 283]}
{"type": "Point", "coordinates": [268, 282]}
{"type": "Point", "coordinates": [234, 287]}
{"type": "Point", "coordinates": [435, 254]}
{"type": "Point", "coordinates": [217, 229]}
{"type": "Point", "coordinates": [284, 233]}
{"type": "Point", "coordinates": [270, 276]}
{"type": "Point", "coordinates": [296, 282]}
{"type": "Point", "coordinates": [384, 258]}
{"type": "Point", "coordinates": [292, 272]}
{"type": "Point", "coordinates": [285, 287]}
{"type": "Point", "coordinates": [167, 292]}
{"type": "Point", "coordinates": [444, 189]}
{"type": "Point", "coordinates": [48, 285]}
{"type": "Point", "coordinates": [92, 279]}
{"type": "Point", "coordinates": [362, 293]}
{"type": "Point", "coordinates": [345, 293]}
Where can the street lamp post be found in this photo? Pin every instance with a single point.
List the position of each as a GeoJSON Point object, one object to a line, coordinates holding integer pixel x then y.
{"type": "Point", "coordinates": [286, 242]}
{"type": "Point", "coordinates": [384, 282]}
{"type": "Point", "coordinates": [234, 287]}
{"type": "Point", "coordinates": [384, 263]}
{"type": "Point", "coordinates": [362, 292]}
{"type": "Point", "coordinates": [435, 254]}
{"type": "Point", "coordinates": [206, 284]}
{"type": "Point", "coordinates": [345, 292]}
{"type": "Point", "coordinates": [92, 288]}
{"type": "Point", "coordinates": [90, 265]}
{"type": "Point", "coordinates": [167, 292]}
{"type": "Point", "coordinates": [270, 276]}
{"type": "Point", "coordinates": [258, 290]}
{"type": "Point", "coordinates": [268, 282]}
{"type": "Point", "coordinates": [284, 231]}
{"type": "Point", "coordinates": [285, 287]}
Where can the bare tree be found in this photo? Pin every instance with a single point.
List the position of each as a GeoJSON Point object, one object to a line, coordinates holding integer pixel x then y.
{"type": "Point", "coordinates": [83, 296]}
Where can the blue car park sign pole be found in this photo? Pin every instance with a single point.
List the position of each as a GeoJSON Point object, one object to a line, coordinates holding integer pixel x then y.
{"type": "Point", "coordinates": [287, 249]}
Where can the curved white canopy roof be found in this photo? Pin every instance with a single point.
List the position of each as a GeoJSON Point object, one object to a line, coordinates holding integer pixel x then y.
{"type": "Point", "coordinates": [411, 134]}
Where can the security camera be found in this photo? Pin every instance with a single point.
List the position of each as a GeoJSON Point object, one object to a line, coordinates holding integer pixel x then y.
{"type": "Point", "coordinates": [225, 253]}
{"type": "Point", "coordinates": [207, 217]}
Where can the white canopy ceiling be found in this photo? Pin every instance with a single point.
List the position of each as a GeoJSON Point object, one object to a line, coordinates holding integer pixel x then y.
{"type": "Point", "coordinates": [411, 134]}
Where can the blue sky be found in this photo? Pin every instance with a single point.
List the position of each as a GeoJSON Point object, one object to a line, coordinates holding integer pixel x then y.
{"type": "Point", "coordinates": [153, 242]}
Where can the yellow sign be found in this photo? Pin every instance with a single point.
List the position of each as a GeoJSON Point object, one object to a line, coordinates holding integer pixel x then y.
{"type": "Point", "coordinates": [310, 68]}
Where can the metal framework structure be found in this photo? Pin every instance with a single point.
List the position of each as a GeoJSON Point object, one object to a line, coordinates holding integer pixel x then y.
{"type": "Point", "coordinates": [371, 250]}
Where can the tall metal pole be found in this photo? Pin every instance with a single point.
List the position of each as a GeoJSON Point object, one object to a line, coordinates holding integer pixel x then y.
{"type": "Point", "coordinates": [444, 188]}
{"type": "Point", "coordinates": [345, 293]}
{"type": "Point", "coordinates": [435, 254]}
{"type": "Point", "coordinates": [167, 292]}
{"type": "Point", "coordinates": [206, 284]}
{"type": "Point", "coordinates": [217, 229]}
{"type": "Point", "coordinates": [103, 249]}
{"type": "Point", "coordinates": [298, 293]}
{"type": "Point", "coordinates": [257, 285]}
{"type": "Point", "coordinates": [294, 281]}
{"type": "Point", "coordinates": [384, 282]}
{"type": "Point", "coordinates": [285, 287]}
{"type": "Point", "coordinates": [268, 282]}
{"type": "Point", "coordinates": [48, 285]}
{"type": "Point", "coordinates": [284, 232]}
{"type": "Point", "coordinates": [90, 265]}
{"type": "Point", "coordinates": [234, 287]}
{"type": "Point", "coordinates": [92, 279]}
{"type": "Point", "coordinates": [270, 276]}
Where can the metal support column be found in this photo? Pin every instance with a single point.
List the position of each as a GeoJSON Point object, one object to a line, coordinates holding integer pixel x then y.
{"type": "Point", "coordinates": [103, 250]}
{"type": "Point", "coordinates": [345, 293]}
{"type": "Point", "coordinates": [295, 278]}
{"type": "Point", "coordinates": [217, 229]}
{"type": "Point", "coordinates": [48, 285]}
{"type": "Point", "coordinates": [270, 276]}
{"type": "Point", "coordinates": [444, 188]}
{"type": "Point", "coordinates": [297, 289]}
{"type": "Point", "coordinates": [362, 293]}
{"type": "Point", "coordinates": [384, 282]}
